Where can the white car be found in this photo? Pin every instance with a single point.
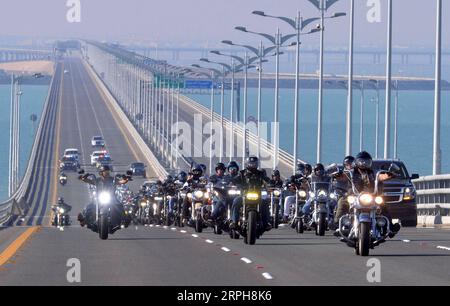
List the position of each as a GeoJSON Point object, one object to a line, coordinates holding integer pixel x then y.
{"type": "Point", "coordinates": [69, 153]}
{"type": "Point", "coordinates": [95, 155]}
{"type": "Point", "coordinates": [97, 141]}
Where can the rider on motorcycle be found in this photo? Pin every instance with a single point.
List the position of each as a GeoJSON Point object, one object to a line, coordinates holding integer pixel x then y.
{"type": "Point", "coordinates": [248, 177]}
{"type": "Point", "coordinates": [276, 181]}
{"type": "Point", "coordinates": [319, 176]}
{"type": "Point", "coordinates": [61, 204]}
{"type": "Point", "coordinates": [194, 179]}
{"type": "Point", "coordinates": [363, 178]}
{"type": "Point", "coordinates": [343, 185]}
{"type": "Point", "coordinates": [105, 182]}
{"type": "Point", "coordinates": [299, 180]}
{"type": "Point", "coordinates": [170, 189]}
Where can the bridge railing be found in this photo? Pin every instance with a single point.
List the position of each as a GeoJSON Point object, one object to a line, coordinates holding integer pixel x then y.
{"type": "Point", "coordinates": [433, 199]}
{"type": "Point", "coordinates": [19, 199]}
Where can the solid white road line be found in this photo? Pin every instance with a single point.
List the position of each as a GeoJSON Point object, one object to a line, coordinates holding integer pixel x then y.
{"type": "Point", "coordinates": [246, 260]}
{"type": "Point", "coordinates": [443, 247]}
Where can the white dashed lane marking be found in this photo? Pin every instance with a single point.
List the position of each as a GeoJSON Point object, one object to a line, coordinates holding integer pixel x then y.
{"type": "Point", "coordinates": [246, 260]}
{"type": "Point", "coordinates": [267, 275]}
{"type": "Point", "coordinates": [209, 241]}
{"type": "Point", "coordinates": [225, 249]}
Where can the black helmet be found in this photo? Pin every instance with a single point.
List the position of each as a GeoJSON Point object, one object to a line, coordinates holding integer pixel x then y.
{"type": "Point", "coordinates": [363, 160]}
{"type": "Point", "coordinates": [169, 178]}
{"type": "Point", "coordinates": [197, 171]}
{"type": "Point", "coordinates": [348, 161]}
{"type": "Point", "coordinates": [300, 168]}
{"type": "Point", "coordinates": [252, 163]}
{"type": "Point", "coordinates": [60, 200]}
{"type": "Point", "coordinates": [319, 169]}
{"type": "Point", "coordinates": [182, 176]}
{"type": "Point", "coordinates": [233, 165]}
{"type": "Point", "coordinates": [308, 169]}
{"type": "Point", "coordinates": [105, 168]}
{"type": "Point", "coordinates": [276, 173]}
{"type": "Point", "coordinates": [203, 167]}
{"type": "Point", "coordinates": [220, 166]}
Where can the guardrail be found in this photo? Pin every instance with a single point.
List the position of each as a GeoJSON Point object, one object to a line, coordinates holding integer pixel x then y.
{"type": "Point", "coordinates": [19, 199]}
{"type": "Point", "coordinates": [266, 147]}
{"type": "Point", "coordinates": [433, 199]}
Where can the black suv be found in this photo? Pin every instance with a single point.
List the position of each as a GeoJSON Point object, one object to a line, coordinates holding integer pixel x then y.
{"type": "Point", "coordinates": [399, 193]}
{"type": "Point", "coordinates": [138, 168]}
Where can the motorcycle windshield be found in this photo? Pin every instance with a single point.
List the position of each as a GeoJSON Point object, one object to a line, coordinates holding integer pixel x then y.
{"type": "Point", "coordinates": [316, 187]}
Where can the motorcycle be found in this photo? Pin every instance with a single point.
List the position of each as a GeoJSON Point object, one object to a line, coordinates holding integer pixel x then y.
{"type": "Point", "coordinates": [365, 227]}
{"type": "Point", "coordinates": [199, 198]}
{"type": "Point", "coordinates": [301, 196]}
{"type": "Point", "coordinates": [109, 216]}
{"type": "Point", "coordinates": [275, 204]}
{"type": "Point", "coordinates": [321, 195]}
{"type": "Point", "coordinates": [61, 218]}
{"type": "Point", "coordinates": [251, 227]}
{"type": "Point", "coordinates": [63, 179]}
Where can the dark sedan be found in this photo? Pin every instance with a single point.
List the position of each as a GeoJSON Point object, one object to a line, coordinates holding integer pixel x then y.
{"type": "Point", "coordinates": [138, 168]}
{"type": "Point", "coordinates": [68, 164]}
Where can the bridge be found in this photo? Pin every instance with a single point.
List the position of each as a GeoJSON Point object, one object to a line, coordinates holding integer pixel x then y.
{"type": "Point", "coordinates": [105, 92]}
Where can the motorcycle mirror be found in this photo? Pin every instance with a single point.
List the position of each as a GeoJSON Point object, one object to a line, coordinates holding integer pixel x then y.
{"type": "Point", "coordinates": [129, 173]}
{"type": "Point", "coordinates": [81, 171]}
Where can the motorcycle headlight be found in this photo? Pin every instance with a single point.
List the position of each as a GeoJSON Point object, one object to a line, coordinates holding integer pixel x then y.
{"type": "Point", "coordinates": [252, 196]}
{"type": "Point", "coordinates": [207, 195]}
{"type": "Point", "coordinates": [312, 195]}
{"type": "Point", "coordinates": [333, 196]}
{"type": "Point", "coordinates": [410, 194]}
{"type": "Point", "coordinates": [366, 199]}
{"type": "Point", "coordinates": [302, 194]}
{"type": "Point", "coordinates": [379, 200]}
{"type": "Point", "coordinates": [61, 210]}
{"type": "Point", "coordinates": [198, 194]}
{"type": "Point", "coordinates": [351, 199]}
{"type": "Point", "coordinates": [155, 207]}
{"type": "Point", "coordinates": [263, 193]}
{"type": "Point", "coordinates": [276, 193]}
{"type": "Point", "coordinates": [322, 193]}
{"type": "Point", "coordinates": [104, 198]}
{"type": "Point", "coordinates": [189, 195]}
{"type": "Point", "coordinates": [143, 203]}
{"type": "Point", "coordinates": [234, 192]}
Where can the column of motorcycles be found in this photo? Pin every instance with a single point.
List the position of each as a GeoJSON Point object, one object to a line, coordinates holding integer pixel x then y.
{"type": "Point", "coordinates": [185, 202]}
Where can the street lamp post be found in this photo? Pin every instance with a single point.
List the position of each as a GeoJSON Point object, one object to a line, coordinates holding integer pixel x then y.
{"type": "Point", "coordinates": [348, 124]}
{"type": "Point", "coordinates": [246, 64]}
{"type": "Point", "coordinates": [437, 94]}
{"type": "Point", "coordinates": [322, 6]}
{"type": "Point", "coordinates": [260, 53]}
{"type": "Point", "coordinates": [278, 40]}
{"type": "Point", "coordinates": [387, 114]}
{"type": "Point", "coordinates": [298, 24]}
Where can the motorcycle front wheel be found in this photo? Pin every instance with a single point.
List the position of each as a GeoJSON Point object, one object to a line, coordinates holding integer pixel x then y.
{"type": "Point", "coordinates": [251, 227]}
{"type": "Point", "coordinates": [364, 239]}
{"type": "Point", "coordinates": [321, 224]}
{"type": "Point", "coordinates": [299, 226]}
{"type": "Point", "coordinates": [103, 227]}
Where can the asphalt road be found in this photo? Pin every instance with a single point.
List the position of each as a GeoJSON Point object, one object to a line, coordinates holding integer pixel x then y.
{"type": "Point", "coordinates": [172, 256]}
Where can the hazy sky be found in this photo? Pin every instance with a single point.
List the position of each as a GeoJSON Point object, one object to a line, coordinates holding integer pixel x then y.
{"type": "Point", "coordinates": [205, 22]}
